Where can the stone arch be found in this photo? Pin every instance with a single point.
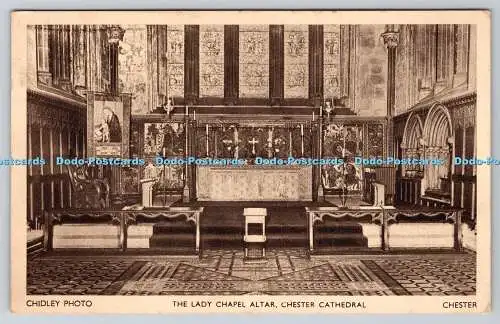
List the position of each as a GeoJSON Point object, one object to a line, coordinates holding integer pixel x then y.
{"type": "Point", "coordinates": [410, 145]}
{"type": "Point", "coordinates": [413, 131]}
{"type": "Point", "coordinates": [438, 143]}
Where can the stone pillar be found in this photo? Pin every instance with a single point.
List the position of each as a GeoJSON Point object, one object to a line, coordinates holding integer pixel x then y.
{"type": "Point", "coordinates": [79, 45]}
{"type": "Point", "coordinates": [426, 59]}
{"type": "Point", "coordinates": [444, 57]}
{"type": "Point", "coordinates": [44, 75]}
{"type": "Point", "coordinates": [391, 39]}
{"type": "Point", "coordinates": [65, 58]}
{"type": "Point", "coordinates": [115, 35]}
{"type": "Point", "coordinates": [461, 54]}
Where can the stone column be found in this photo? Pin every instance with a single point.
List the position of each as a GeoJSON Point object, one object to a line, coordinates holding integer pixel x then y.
{"type": "Point", "coordinates": [391, 39]}
{"type": "Point", "coordinates": [444, 57]}
{"type": "Point", "coordinates": [115, 35]}
{"type": "Point", "coordinates": [79, 44]}
{"type": "Point", "coordinates": [44, 75]}
{"type": "Point", "coordinates": [64, 57]}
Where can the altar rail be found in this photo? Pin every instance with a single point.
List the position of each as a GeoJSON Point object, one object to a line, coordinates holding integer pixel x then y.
{"type": "Point", "coordinates": [122, 217]}
{"type": "Point", "coordinates": [386, 216]}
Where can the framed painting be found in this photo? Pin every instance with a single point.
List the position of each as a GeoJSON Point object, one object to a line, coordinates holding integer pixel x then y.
{"type": "Point", "coordinates": [108, 124]}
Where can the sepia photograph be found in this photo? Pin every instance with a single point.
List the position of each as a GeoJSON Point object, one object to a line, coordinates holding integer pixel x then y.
{"type": "Point", "coordinates": [251, 162]}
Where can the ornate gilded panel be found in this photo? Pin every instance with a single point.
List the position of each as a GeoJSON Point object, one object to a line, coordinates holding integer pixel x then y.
{"type": "Point", "coordinates": [375, 140]}
{"type": "Point", "coordinates": [296, 59]}
{"type": "Point", "coordinates": [343, 141]}
{"type": "Point", "coordinates": [331, 61]}
{"type": "Point", "coordinates": [254, 61]}
{"type": "Point", "coordinates": [132, 69]}
{"type": "Point", "coordinates": [211, 60]}
{"type": "Point", "coordinates": [130, 179]}
{"type": "Point", "coordinates": [175, 60]}
{"type": "Point", "coordinates": [164, 139]}
{"type": "Point", "coordinates": [248, 141]}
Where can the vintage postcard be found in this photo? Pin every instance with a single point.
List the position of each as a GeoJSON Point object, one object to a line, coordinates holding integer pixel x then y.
{"type": "Point", "coordinates": [251, 162]}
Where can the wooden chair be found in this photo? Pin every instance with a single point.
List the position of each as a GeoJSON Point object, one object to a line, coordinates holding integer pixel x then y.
{"type": "Point", "coordinates": [87, 192]}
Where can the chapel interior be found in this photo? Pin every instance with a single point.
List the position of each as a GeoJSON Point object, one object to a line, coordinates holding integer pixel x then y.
{"type": "Point", "coordinates": [242, 92]}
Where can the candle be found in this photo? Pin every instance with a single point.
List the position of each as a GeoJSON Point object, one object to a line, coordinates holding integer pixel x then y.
{"type": "Point", "coordinates": [206, 131]}
{"type": "Point", "coordinates": [187, 110]}
{"type": "Point", "coordinates": [313, 115]}
{"type": "Point", "coordinates": [301, 130]}
{"type": "Point", "coordinates": [194, 114]}
{"type": "Point", "coordinates": [320, 111]}
{"type": "Point", "coordinates": [164, 152]}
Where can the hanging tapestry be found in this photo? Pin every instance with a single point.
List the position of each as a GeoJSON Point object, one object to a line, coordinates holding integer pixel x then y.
{"type": "Point", "coordinates": [296, 59]}
{"type": "Point", "coordinates": [254, 61]}
{"type": "Point", "coordinates": [132, 69]}
{"type": "Point", "coordinates": [211, 60]}
{"type": "Point", "coordinates": [343, 141]}
{"type": "Point", "coordinates": [175, 60]}
{"type": "Point", "coordinates": [331, 61]}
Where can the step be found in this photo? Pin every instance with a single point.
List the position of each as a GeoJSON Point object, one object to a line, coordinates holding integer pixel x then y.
{"type": "Point", "coordinates": [339, 228]}
{"type": "Point", "coordinates": [174, 228]}
{"type": "Point", "coordinates": [286, 228]}
{"type": "Point", "coordinates": [169, 240]}
{"type": "Point", "coordinates": [343, 240]}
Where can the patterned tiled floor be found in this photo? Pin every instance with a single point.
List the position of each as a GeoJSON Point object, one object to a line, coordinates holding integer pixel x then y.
{"type": "Point", "coordinates": [286, 272]}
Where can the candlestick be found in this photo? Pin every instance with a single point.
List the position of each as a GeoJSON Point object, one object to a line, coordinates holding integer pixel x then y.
{"type": "Point", "coordinates": [206, 131]}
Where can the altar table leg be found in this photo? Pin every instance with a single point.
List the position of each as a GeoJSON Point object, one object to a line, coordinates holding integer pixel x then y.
{"type": "Point", "coordinates": [311, 232]}
{"type": "Point", "coordinates": [457, 233]}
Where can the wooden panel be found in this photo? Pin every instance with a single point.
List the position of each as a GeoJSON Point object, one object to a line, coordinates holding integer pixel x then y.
{"type": "Point", "coordinates": [231, 68]}
{"type": "Point", "coordinates": [316, 63]}
{"type": "Point", "coordinates": [191, 61]}
{"type": "Point", "coordinates": [276, 63]}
